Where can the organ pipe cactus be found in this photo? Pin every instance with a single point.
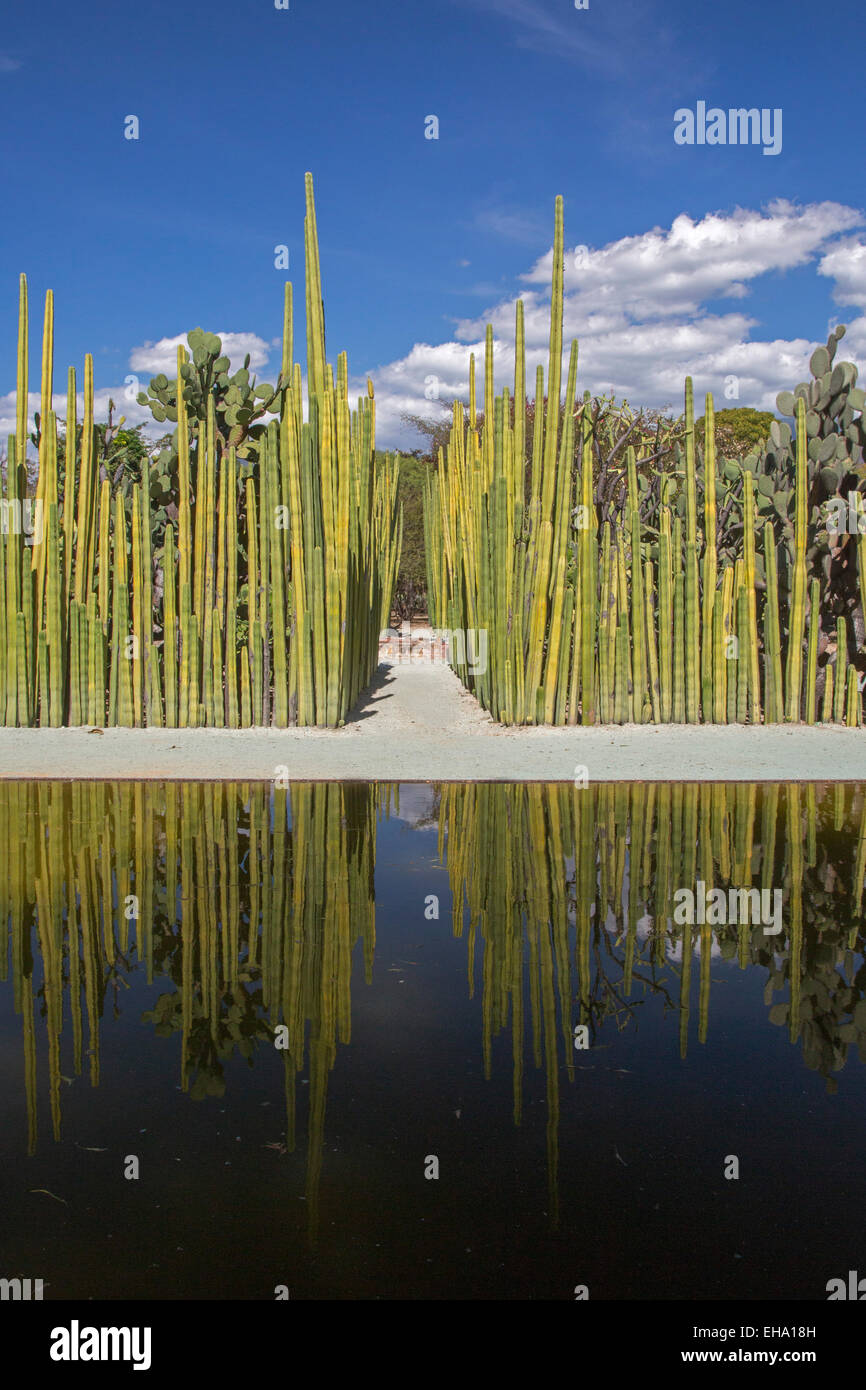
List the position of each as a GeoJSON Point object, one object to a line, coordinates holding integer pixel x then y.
{"type": "Point", "coordinates": [261, 601]}
{"type": "Point", "coordinates": [797, 617]}
{"type": "Point", "coordinates": [649, 616]}
{"type": "Point", "coordinates": [264, 604]}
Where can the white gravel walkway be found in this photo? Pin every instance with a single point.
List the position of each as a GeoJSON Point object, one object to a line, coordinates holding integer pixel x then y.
{"type": "Point", "coordinates": [418, 724]}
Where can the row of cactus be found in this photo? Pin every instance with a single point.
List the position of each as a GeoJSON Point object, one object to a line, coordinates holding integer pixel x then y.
{"type": "Point", "coordinates": [634, 613]}
{"type": "Point", "coordinates": [257, 600]}
{"type": "Point", "coordinates": [249, 904]}
{"type": "Point", "coordinates": [554, 888]}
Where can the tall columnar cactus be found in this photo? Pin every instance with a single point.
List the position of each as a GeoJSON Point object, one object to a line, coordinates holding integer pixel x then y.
{"type": "Point", "coordinates": [265, 603]}
{"type": "Point", "coordinates": [588, 580]}
{"type": "Point", "coordinates": [692, 627]}
{"type": "Point", "coordinates": [797, 617]}
{"type": "Point", "coordinates": [709, 668]}
{"type": "Point", "coordinates": [583, 640]}
{"type": "Point", "coordinates": [774, 708]}
{"type": "Point", "coordinates": [642, 710]}
{"type": "Point", "coordinates": [751, 654]}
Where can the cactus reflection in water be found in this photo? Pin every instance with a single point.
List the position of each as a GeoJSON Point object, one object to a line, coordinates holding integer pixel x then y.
{"type": "Point", "coordinates": [252, 907]}
{"type": "Point", "coordinates": [251, 902]}
{"type": "Point", "coordinates": [571, 891]}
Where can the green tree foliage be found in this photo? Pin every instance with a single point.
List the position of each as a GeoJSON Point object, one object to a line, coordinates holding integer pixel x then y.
{"type": "Point", "coordinates": [410, 592]}
{"type": "Point", "coordinates": [125, 455]}
{"type": "Point", "coordinates": [738, 431]}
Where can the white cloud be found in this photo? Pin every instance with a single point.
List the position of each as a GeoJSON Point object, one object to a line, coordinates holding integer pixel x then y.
{"type": "Point", "coordinates": [674, 272]}
{"type": "Point", "coordinates": [154, 358]}
{"type": "Point", "coordinates": [543, 29]}
{"type": "Point", "coordinates": [593, 38]}
{"type": "Point", "coordinates": [639, 308]}
{"type": "Point", "coordinates": [132, 412]}
{"type": "Point", "coordinates": [645, 311]}
{"type": "Point", "coordinates": [846, 264]}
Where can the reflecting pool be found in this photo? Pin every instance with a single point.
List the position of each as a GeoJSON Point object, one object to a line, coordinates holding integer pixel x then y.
{"type": "Point", "coordinates": [475, 1041]}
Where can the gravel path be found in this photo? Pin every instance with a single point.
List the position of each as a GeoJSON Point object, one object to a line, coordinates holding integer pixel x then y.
{"type": "Point", "coordinates": [418, 724]}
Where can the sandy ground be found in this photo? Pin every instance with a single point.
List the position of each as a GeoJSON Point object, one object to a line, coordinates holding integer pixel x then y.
{"type": "Point", "coordinates": [418, 724]}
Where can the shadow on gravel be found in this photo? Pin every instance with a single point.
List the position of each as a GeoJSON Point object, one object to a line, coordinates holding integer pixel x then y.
{"type": "Point", "coordinates": [371, 696]}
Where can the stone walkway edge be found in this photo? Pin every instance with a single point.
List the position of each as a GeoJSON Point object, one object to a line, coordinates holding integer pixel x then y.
{"type": "Point", "coordinates": [416, 723]}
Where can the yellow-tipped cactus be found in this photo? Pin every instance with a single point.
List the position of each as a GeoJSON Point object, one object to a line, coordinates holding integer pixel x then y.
{"type": "Point", "coordinates": [312, 580]}
{"type": "Point", "coordinates": [265, 602]}
{"type": "Point", "coordinates": [797, 615]}
{"type": "Point", "coordinates": [603, 637]}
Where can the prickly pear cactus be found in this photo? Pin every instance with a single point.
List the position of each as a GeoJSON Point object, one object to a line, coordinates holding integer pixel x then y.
{"type": "Point", "coordinates": [240, 403]}
{"type": "Point", "coordinates": [836, 450]}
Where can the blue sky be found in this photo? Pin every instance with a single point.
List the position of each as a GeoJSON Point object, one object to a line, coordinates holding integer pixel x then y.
{"type": "Point", "coordinates": [713, 259]}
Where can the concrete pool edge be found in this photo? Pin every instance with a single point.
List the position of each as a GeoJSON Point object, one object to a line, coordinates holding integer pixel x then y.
{"type": "Point", "coordinates": [618, 753]}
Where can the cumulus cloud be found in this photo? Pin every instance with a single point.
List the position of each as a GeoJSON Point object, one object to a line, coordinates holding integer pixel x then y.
{"type": "Point", "coordinates": [132, 412]}
{"type": "Point", "coordinates": [846, 264]}
{"type": "Point", "coordinates": [154, 358]}
{"type": "Point", "coordinates": [646, 309]}
{"type": "Point", "coordinates": [673, 272]}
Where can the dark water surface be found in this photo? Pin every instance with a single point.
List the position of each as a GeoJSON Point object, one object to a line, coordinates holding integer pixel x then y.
{"type": "Point", "coordinates": [161, 939]}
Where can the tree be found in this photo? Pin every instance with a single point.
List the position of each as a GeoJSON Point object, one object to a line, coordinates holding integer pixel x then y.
{"type": "Point", "coordinates": [410, 590]}
{"type": "Point", "coordinates": [738, 431]}
{"type": "Point", "coordinates": [654, 435]}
